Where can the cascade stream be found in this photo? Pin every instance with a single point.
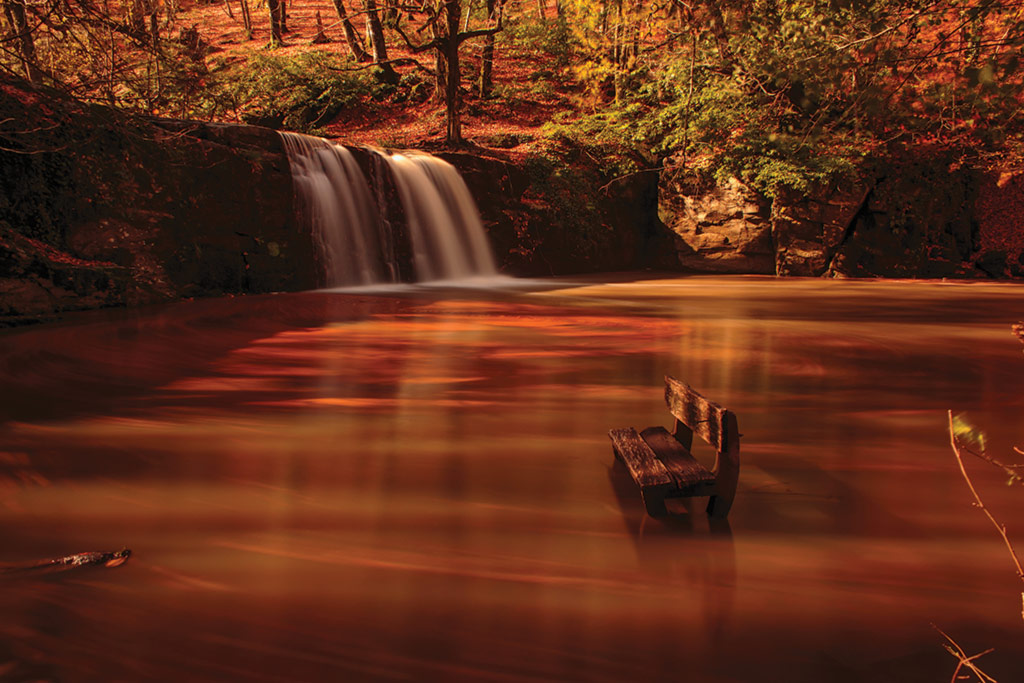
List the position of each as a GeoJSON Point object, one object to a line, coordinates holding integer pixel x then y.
{"type": "Point", "coordinates": [346, 210]}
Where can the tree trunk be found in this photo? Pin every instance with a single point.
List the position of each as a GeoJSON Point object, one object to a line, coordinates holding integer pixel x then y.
{"type": "Point", "coordinates": [355, 45]}
{"type": "Point", "coordinates": [617, 52]}
{"type": "Point", "coordinates": [246, 19]}
{"type": "Point", "coordinates": [380, 50]}
{"type": "Point", "coordinates": [282, 16]}
{"type": "Point", "coordinates": [487, 56]}
{"type": "Point", "coordinates": [440, 75]}
{"type": "Point", "coordinates": [320, 38]}
{"type": "Point", "coordinates": [14, 10]}
{"type": "Point", "coordinates": [453, 133]}
{"type": "Point", "coordinates": [154, 28]}
{"type": "Point", "coordinates": [274, 7]}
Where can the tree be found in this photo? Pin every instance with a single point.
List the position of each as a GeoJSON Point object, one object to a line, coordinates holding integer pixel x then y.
{"type": "Point", "coordinates": [798, 93]}
{"type": "Point", "coordinates": [355, 45]}
{"type": "Point", "coordinates": [276, 9]}
{"type": "Point", "coordinates": [112, 53]}
{"type": "Point", "coordinates": [377, 44]}
{"type": "Point", "coordinates": [14, 12]}
{"type": "Point", "coordinates": [443, 18]}
{"type": "Point", "coordinates": [487, 55]}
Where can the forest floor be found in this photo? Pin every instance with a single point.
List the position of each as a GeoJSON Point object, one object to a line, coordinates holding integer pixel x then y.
{"type": "Point", "coordinates": [528, 91]}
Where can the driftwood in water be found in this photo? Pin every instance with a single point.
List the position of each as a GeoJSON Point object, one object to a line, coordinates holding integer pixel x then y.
{"type": "Point", "coordinates": [661, 463]}
{"type": "Point", "coordinates": [90, 559]}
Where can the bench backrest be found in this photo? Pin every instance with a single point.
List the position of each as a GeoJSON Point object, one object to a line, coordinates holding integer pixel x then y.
{"type": "Point", "coordinates": [710, 421]}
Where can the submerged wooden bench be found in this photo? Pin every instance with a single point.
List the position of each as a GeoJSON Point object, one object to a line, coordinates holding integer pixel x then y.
{"type": "Point", "coordinates": [661, 463]}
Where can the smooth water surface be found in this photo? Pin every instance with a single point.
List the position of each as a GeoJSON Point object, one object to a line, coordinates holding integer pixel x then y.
{"type": "Point", "coordinates": [418, 485]}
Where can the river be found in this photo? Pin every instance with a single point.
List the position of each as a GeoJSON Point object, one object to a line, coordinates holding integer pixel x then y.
{"type": "Point", "coordinates": [416, 484]}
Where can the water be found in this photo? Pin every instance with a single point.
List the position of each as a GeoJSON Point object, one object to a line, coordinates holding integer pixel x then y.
{"type": "Point", "coordinates": [417, 484]}
{"type": "Point", "coordinates": [449, 242]}
{"type": "Point", "coordinates": [333, 198]}
{"type": "Point", "coordinates": [346, 215]}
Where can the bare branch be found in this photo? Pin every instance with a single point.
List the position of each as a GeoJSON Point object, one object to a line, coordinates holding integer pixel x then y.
{"type": "Point", "coordinates": [397, 61]}
{"type": "Point", "coordinates": [954, 649]}
{"type": "Point", "coordinates": [888, 30]}
{"type": "Point", "coordinates": [1001, 528]}
{"type": "Point", "coordinates": [1014, 471]}
{"type": "Point", "coordinates": [467, 35]}
{"type": "Point", "coordinates": [412, 46]}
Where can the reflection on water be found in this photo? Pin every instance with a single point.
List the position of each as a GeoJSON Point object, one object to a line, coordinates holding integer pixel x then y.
{"type": "Point", "coordinates": [417, 484]}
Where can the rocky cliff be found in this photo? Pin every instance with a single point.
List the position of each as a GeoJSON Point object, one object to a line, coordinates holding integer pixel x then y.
{"type": "Point", "coordinates": [909, 216]}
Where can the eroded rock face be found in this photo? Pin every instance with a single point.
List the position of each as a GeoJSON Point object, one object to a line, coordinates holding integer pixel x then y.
{"type": "Point", "coordinates": [720, 229]}
{"type": "Point", "coordinates": [917, 221]}
{"type": "Point", "coordinates": [36, 280]}
{"type": "Point", "coordinates": [808, 230]}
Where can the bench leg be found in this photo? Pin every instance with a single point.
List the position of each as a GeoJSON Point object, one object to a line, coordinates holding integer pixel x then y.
{"type": "Point", "coordinates": [654, 501]}
{"type": "Point", "coordinates": [726, 468]}
{"type": "Point", "coordinates": [727, 476]}
{"type": "Point", "coordinates": [718, 506]}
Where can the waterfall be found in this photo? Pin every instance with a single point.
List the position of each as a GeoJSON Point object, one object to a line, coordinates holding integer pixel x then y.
{"type": "Point", "coordinates": [448, 237]}
{"type": "Point", "coordinates": [333, 198]}
{"type": "Point", "coordinates": [347, 214]}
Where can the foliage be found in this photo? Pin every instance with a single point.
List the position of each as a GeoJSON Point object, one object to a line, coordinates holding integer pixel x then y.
{"type": "Point", "coordinates": [115, 54]}
{"type": "Point", "coordinates": [301, 93]}
{"type": "Point", "coordinates": [794, 94]}
{"type": "Point", "coordinates": [966, 433]}
{"type": "Point", "coordinates": [548, 41]}
{"type": "Point", "coordinates": [783, 94]}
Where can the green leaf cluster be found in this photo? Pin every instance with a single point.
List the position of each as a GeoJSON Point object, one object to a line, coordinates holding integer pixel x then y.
{"type": "Point", "coordinates": [301, 93]}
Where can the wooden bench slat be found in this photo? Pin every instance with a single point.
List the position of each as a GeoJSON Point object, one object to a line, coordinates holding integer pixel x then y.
{"type": "Point", "coordinates": [643, 464]}
{"type": "Point", "coordinates": [698, 413]}
{"type": "Point", "coordinates": [691, 478]}
{"type": "Point", "coordinates": [647, 471]}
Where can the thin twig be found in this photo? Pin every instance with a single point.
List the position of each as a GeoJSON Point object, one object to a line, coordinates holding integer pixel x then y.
{"type": "Point", "coordinates": [954, 649]}
{"type": "Point", "coordinates": [1011, 470]}
{"type": "Point", "coordinates": [604, 188]}
{"type": "Point", "coordinates": [1001, 528]}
